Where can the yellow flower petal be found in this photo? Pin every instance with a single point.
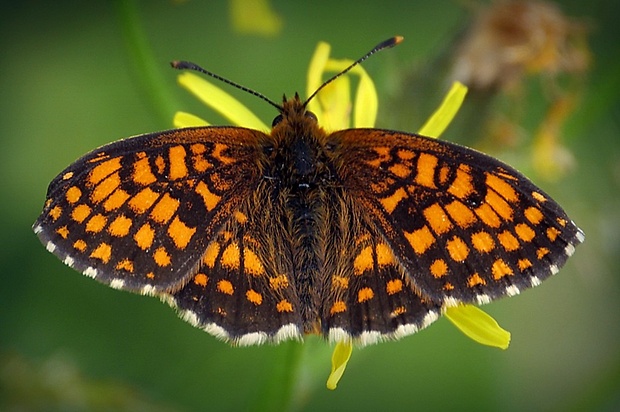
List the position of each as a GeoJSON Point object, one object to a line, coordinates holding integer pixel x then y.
{"type": "Point", "coordinates": [255, 17]}
{"type": "Point", "coordinates": [314, 77]}
{"type": "Point", "coordinates": [340, 357]}
{"type": "Point", "coordinates": [335, 101]}
{"type": "Point", "coordinates": [221, 101]}
{"type": "Point", "coordinates": [442, 117]}
{"type": "Point", "coordinates": [478, 326]}
{"type": "Point", "coordinates": [184, 119]}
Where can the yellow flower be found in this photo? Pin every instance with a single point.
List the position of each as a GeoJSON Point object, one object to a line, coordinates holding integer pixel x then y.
{"type": "Point", "coordinates": [255, 17]}
{"type": "Point", "coordinates": [335, 107]}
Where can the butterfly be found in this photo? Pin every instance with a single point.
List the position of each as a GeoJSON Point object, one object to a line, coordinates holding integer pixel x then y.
{"type": "Point", "coordinates": [360, 234]}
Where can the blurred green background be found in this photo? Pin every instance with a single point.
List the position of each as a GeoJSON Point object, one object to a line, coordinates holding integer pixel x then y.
{"type": "Point", "coordinates": [73, 78]}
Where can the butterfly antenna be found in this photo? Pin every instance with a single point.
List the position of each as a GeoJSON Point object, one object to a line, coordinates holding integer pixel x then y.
{"type": "Point", "coordinates": [183, 65]}
{"type": "Point", "coordinates": [383, 45]}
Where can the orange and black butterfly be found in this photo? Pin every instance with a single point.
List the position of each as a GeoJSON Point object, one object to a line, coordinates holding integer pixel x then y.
{"type": "Point", "coordinates": [361, 234]}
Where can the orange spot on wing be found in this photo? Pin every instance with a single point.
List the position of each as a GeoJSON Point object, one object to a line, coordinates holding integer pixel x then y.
{"type": "Point", "coordinates": [457, 249]}
{"type": "Point", "coordinates": [96, 223]}
{"type": "Point", "coordinates": [462, 186]}
{"type": "Point", "coordinates": [211, 254]}
{"type": "Point", "coordinates": [475, 280]}
{"type": "Point", "coordinates": [534, 215]}
{"type": "Point", "coordinates": [231, 256]}
{"type": "Point", "coordinates": [525, 232]}
{"type": "Point", "coordinates": [420, 240]}
{"type": "Point", "coordinates": [115, 200]}
{"type": "Point", "coordinates": [278, 282]}
{"type": "Point", "coordinates": [499, 205]}
{"type": "Point", "coordinates": [400, 170]}
{"type": "Point", "coordinates": [437, 219]}
{"type": "Point", "coordinates": [201, 279]}
{"type": "Point", "coordinates": [483, 242]}
{"type": "Point", "coordinates": [56, 212]}
{"type": "Point", "coordinates": [103, 170]}
{"type": "Point", "coordinates": [384, 255]}
{"type": "Point", "coordinates": [178, 168]}
{"type": "Point", "coordinates": [508, 241]}
{"type": "Point", "coordinates": [425, 175]}
{"type": "Point", "coordinates": [460, 214]}
{"type": "Point", "coordinates": [363, 261]}
{"type": "Point", "coordinates": [80, 245]}
{"type": "Point", "coordinates": [488, 216]}
{"type": "Point", "coordinates": [180, 233]}
{"type": "Point", "coordinates": [105, 188]}
{"type": "Point", "coordinates": [340, 282]}
{"type": "Point", "coordinates": [284, 306]}
{"type": "Point", "coordinates": [161, 257]}
{"type": "Point", "coordinates": [338, 307]}
{"type": "Point", "coordinates": [225, 287]}
{"type": "Point", "coordinates": [144, 236]}
{"type": "Point", "coordinates": [63, 232]}
{"type": "Point", "coordinates": [252, 263]}
{"type": "Point", "coordinates": [210, 199]}
{"type": "Point", "coordinates": [254, 297]}
{"type": "Point", "coordinates": [73, 194]}
{"type": "Point", "coordinates": [120, 226]}
{"type": "Point", "coordinates": [504, 189]}
{"type": "Point", "coordinates": [500, 269]}
{"type": "Point", "coordinates": [80, 213]}
{"type": "Point", "coordinates": [438, 268]}
{"type": "Point", "coordinates": [365, 294]}
{"type": "Point", "coordinates": [142, 173]}
{"type": "Point", "coordinates": [218, 153]}
{"type": "Point", "coordinates": [164, 209]}
{"type": "Point", "coordinates": [102, 252]}
{"type": "Point", "coordinates": [552, 233]}
{"type": "Point", "coordinates": [143, 200]}
{"type": "Point", "coordinates": [125, 264]}
{"type": "Point", "coordinates": [394, 286]}
{"type": "Point", "coordinates": [389, 203]}
{"type": "Point", "coordinates": [524, 264]}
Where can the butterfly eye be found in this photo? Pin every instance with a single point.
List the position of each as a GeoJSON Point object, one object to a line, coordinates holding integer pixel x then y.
{"type": "Point", "coordinates": [312, 116]}
{"type": "Point", "coordinates": [276, 120]}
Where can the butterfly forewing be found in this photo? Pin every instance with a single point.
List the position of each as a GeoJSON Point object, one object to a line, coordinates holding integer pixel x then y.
{"type": "Point", "coordinates": [139, 213]}
{"type": "Point", "coordinates": [464, 226]}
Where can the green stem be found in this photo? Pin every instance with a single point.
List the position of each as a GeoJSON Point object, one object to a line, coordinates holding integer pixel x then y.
{"type": "Point", "coordinates": [276, 393]}
{"type": "Point", "coordinates": [146, 67]}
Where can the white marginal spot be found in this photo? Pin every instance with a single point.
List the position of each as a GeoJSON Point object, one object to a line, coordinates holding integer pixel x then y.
{"type": "Point", "coordinates": [580, 235]}
{"type": "Point", "coordinates": [369, 337]}
{"type": "Point", "coordinates": [405, 330]}
{"type": "Point", "coordinates": [336, 335]}
{"type": "Point", "coordinates": [169, 299]}
{"type": "Point", "coordinates": [37, 229]}
{"type": "Point", "coordinates": [554, 269]}
{"type": "Point", "coordinates": [569, 249]}
{"type": "Point", "coordinates": [255, 338]}
{"type": "Point", "coordinates": [535, 281]}
{"type": "Point", "coordinates": [91, 272]}
{"type": "Point", "coordinates": [148, 290]}
{"type": "Point", "coordinates": [50, 246]}
{"type": "Point", "coordinates": [483, 299]}
{"type": "Point", "coordinates": [450, 301]}
{"type": "Point", "coordinates": [286, 332]}
{"type": "Point", "coordinates": [68, 261]}
{"type": "Point", "coordinates": [429, 318]}
{"type": "Point", "coordinates": [117, 283]}
{"type": "Point", "coordinates": [216, 331]}
{"type": "Point", "coordinates": [512, 290]}
{"type": "Point", "coordinates": [190, 317]}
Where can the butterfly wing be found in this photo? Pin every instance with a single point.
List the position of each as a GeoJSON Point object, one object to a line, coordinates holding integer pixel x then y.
{"type": "Point", "coordinates": [139, 213]}
{"type": "Point", "coordinates": [464, 227]}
